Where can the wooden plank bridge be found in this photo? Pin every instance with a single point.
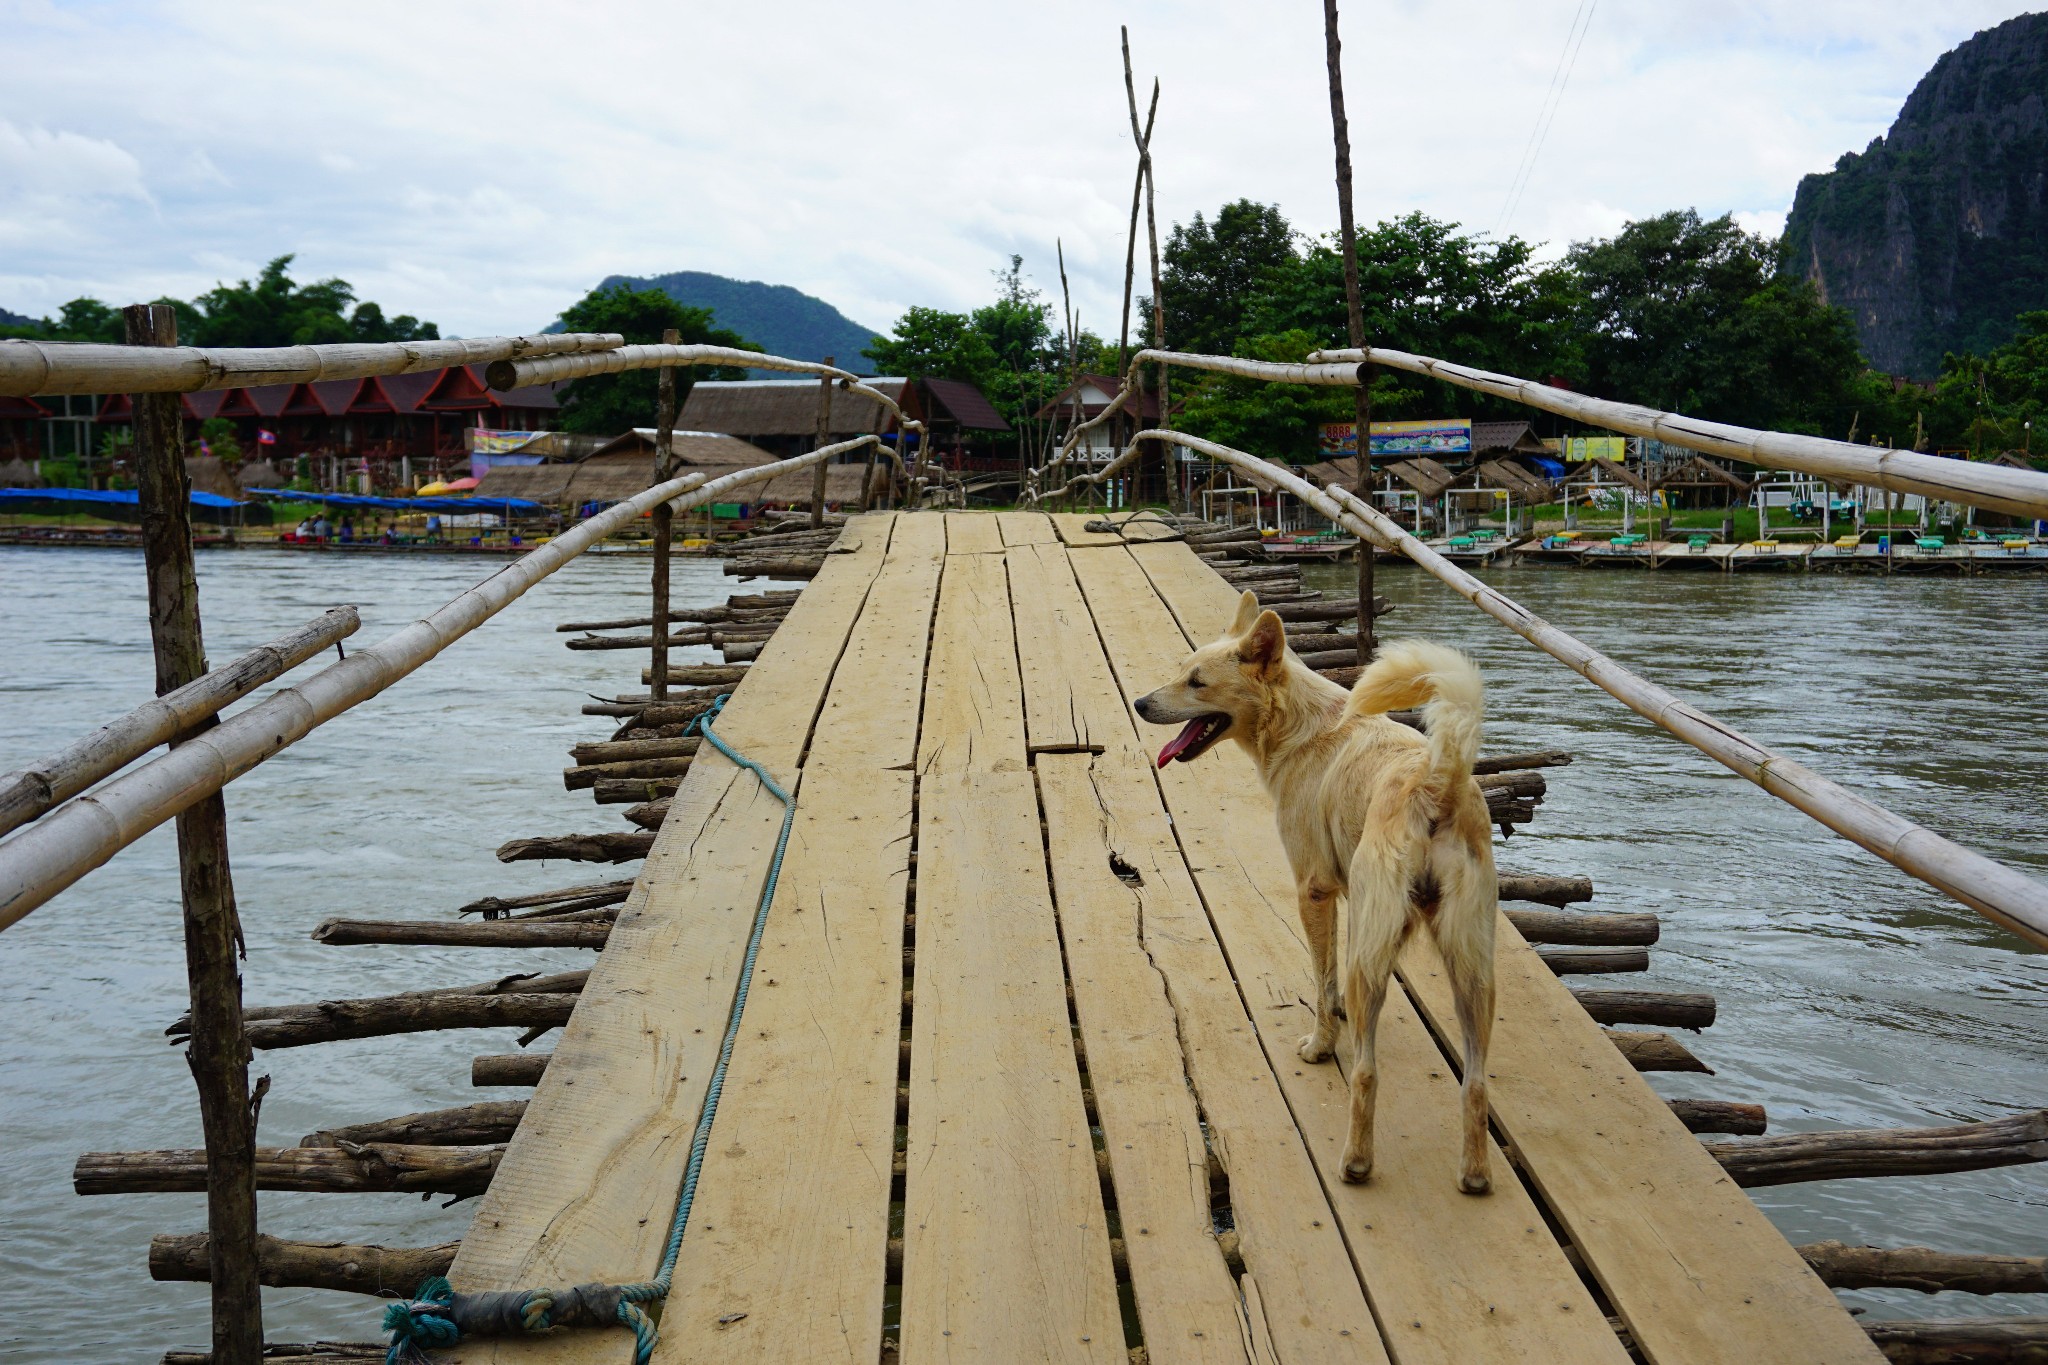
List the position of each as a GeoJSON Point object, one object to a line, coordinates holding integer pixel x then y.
{"type": "Point", "coordinates": [1017, 1079]}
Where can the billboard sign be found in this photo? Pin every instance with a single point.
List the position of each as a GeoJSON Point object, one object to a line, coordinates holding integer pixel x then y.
{"type": "Point", "coordinates": [1399, 440]}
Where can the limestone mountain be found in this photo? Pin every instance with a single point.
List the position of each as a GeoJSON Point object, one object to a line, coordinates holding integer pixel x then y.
{"type": "Point", "coordinates": [783, 319]}
{"type": "Point", "coordinates": [1935, 236]}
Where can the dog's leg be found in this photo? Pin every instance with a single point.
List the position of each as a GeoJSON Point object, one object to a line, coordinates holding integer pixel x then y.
{"type": "Point", "coordinates": [1464, 935]}
{"type": "Point", "coordinates": [1317, 898]}
{"type": "Point", "coordinates": [1378, 926]}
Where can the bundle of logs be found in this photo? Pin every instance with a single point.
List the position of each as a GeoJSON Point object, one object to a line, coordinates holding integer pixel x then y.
{"type": "Point", "coordinates": [455, 1152]}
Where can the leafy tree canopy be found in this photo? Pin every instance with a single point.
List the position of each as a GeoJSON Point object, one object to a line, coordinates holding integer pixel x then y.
{"type": "Point", "coordinates": [609, 403]}
{"type": "Point", "coordinates": [1212, 274]}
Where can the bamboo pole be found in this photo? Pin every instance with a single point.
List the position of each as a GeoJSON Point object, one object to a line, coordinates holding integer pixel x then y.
{"type": "Point", "coordinates": [26, 794]}
{"type": "Point", "coordinates": [664, 520]}
{"type": "Point", "coordinates": [824, 435]}
{"type": "Point", "coordinates": [28, 368]}
{"type": "Point", "coordinates": [1999, 893]}
{"type": "Point", "coordinates": [1354, 315]}
{"type": "Point", "coordinates": [38, 862]}
{"type": "Point", "coordinates": [218, 1054]}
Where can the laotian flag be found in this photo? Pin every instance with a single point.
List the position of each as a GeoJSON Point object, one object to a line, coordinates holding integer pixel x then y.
{"type": "Point", "coordinates": [265, 438]}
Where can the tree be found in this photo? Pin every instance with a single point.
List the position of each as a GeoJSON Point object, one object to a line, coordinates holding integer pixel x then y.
{"type": "Point", "coordinates": [1212, 273]}
{"type": "Point", "coordinates": [932, 344]}
{"type": "Point", "coordinates": [610, 403]}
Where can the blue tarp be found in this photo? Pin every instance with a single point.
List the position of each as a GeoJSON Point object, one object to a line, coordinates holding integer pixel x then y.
{"type": "Point", "coordinates": [514, 506]}
{"type": "Point", "coordinates": [127, 499]}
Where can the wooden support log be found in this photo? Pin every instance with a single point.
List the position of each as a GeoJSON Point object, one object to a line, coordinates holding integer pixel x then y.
{"type": "Point", "coordinates": [623, 750]}
{"type": "Point", "coordinates": [1528, 785]}
{"type": "Point", "coordinates": [587, 929]}
{"type": "Point", "coordinates": [1720, 1116]}
{"type": "Point", "coordinates": [1310, 646]}
{"type": "Point", "coordinates": [467, 1125]}
{"type": "Point", "coordinates": [590, 774]}
{"type": "Point", "coordinates": [567, 898]}
{"type": "Point", "coordinates": [581, 848]}
{"type": "Point", "coordinates": [1669, 1009]}
{"type": "Point", "coordinates": [741, 653]}
{"type": "Point", "coordinates": [1855, 1153]}
{"type": "Point", "coordinates": [1586, 960]}
{"type": "Point", "coordinates": [696, 675]}
{"type": "Point", "coordinates": [698, 616]}
{"type": "Point", "coordinates": [1584, 929]}
{"type": "Point", "coordinates": [296, 1353]}
{"type": "Point", "coordinates": [291, 1023]}
{"type": "Point", "coordinates": [370, 1168]}
{"type": "Point", "coordinates": [1327, 609]}
{"type": "Point", "coordinates": [1925, 1269]}
{"type": "Point", "coordinates": [649, 815]}
{"type": "Point", "coordinates": [2020, 1340]}
{"type": "Point", "coordinates": [1655, 1051]}
{"type": "Point", "coordinates": [1499, 763]}
{"type": "Point", "coordinates": [508, 1068]}
{"type": "Point", "coordinates": [681, 639]}
{"type": "Point", "coordinates": [386, 1272]}
{"type": "Point", "coordinates": [623, 791]}
{"type": "Point", "coordinates": [1558, 891]}
{"type": "Point", "coordinates": [773, 568]}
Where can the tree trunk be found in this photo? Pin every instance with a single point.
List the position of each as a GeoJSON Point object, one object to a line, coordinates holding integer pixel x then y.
{"type": "Point", "coordinates": [218, 1054]}
{"type": "Point", "coordinates": [386, 1272]}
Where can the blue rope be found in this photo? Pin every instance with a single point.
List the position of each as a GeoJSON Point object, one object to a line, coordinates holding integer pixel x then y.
{"type": "Point", "coordinates": [438, 1316]}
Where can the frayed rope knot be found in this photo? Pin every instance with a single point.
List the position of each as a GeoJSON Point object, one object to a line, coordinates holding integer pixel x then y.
{"type": "Point", "coordinates": [437, 1316]}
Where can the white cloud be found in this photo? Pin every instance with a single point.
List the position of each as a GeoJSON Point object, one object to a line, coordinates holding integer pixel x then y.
{"type": "Point", "coordinates": [493, 162]}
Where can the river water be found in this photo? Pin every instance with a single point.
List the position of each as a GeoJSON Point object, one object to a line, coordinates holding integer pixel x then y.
{"type": "Point", "coordinates": [1849, 995]}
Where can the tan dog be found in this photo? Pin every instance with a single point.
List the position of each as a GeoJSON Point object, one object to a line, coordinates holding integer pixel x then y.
{"type": "Point", "coordinates": [1369, 810]}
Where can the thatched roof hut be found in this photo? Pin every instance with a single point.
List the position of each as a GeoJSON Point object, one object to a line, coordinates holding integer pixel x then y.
{"type": "Point", "coordinates": [19, 473]}
{"type": "Point", "coordinates": [770, 411]}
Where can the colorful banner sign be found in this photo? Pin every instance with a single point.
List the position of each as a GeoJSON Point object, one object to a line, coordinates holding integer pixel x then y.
{"type": "Point", "coordinates": [1442, 436]}
{"type": "Point", "coordinates": [485, 442]}
{"type": "Point", "coordinates": [1581, 448]}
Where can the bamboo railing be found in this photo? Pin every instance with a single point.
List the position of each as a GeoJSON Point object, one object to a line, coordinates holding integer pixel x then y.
{"type": "Point", "coordinates": [38, 862]}
{"type": "Point", "coordinates": [31, 368]}
{"type": "Point", "coordinates": [1996, 487]}
{"type": "Point", "coordinates": [2008, 898]}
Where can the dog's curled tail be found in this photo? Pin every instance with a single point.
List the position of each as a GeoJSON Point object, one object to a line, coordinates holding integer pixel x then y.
{"type": "Point", "coordinates": [1445, 683]}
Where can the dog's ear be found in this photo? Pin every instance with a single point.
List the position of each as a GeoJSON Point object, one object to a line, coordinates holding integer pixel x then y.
{"type": "Point", "coordinates": [1247, 612]}
{"type": "Point", "coordinates": [1263, 644]}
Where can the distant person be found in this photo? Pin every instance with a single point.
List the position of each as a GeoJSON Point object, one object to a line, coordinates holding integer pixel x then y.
{"type": "Point", "coordinates": [390, 533]}
{"type": "Point", "coordinates": [434, 528]}
{"type": "Point", "coordinates": [320, 527]}
{"type": "Point", "coordinates": [348, 531]}
{"type": "Point", "coordinates": [305, 530]}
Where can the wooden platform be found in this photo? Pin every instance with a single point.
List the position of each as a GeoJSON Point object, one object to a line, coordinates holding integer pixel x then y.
{"type": "Point", "coordinates": [1086, 978]}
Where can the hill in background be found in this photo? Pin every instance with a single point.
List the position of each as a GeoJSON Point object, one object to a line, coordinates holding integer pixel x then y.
{"type": "Point", "coordinates": [1935, 237]}
{"type": "Point", "coordinates": [785, 320]}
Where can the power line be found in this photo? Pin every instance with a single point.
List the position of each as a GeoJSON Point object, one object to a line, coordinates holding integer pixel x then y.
{"type": "Point", "coordinates": [1546, 113]}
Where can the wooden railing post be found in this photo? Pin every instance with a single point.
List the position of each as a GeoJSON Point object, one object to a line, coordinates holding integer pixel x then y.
{"type": "Point", "coordinates": [1361, 407]}
{"type": "Point", "coordinates": [664, 519]}
{"type": "Point", "coordinates": [824, 438]}
{"type": "Point", "coordinates": [219, 1052]}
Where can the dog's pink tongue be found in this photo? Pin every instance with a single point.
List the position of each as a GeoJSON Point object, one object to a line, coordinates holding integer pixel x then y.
{"type": "Point", "coordinates": [1178, 745]}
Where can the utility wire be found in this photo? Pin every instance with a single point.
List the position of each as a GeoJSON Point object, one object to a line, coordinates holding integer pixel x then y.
{"type": "Point", "coordinates": [1546, 113]}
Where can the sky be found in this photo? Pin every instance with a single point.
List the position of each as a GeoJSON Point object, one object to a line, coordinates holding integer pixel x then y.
{"type": "Point", "coordinates": [484, 165]}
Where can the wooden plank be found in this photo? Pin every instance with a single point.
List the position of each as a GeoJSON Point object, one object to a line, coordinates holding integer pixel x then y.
{"type": "Point", "coordinates": [791, 1224]}
{"type": "Point", "coordinates": [1070, 699]}
{"type": "Point", "coordinates": [973, 533]}
{"type": "Point", "coordinates": [1006, 1246]}
{"type": "Point", "coordinates": [972, 718]}
{"type": "Point", "coordinates": [1451, 1278]}
{"type": "Point", "coordinates": [1026, 528]}
{"type": "Point", "coordinates": [1006, 1252]}
{"type": "Point", "coordinates": [864, 531]}
{"type": "Point", "coordinates": [588, 1185]}
{"type": "Point", "coordinates": [1674, 1243]}
{"type": "Point", "coordinates": [870, 716]}
{"type": "Point", "coordinates": [1694, 1268]}
{"type": "Point", "coordinates": [1073, 528]}
{"type": "Point", "coordinates": [1159, 1013]}
{"type": "Point", "coordinates": [808, 1119]}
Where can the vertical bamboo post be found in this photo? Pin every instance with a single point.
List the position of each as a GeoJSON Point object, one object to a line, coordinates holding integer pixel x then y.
{"type": "Point", "coordinates": [664, 518]}
{"type": "Point", "coordinates": [219, 1051]}
{"type": "Point", "coordinates": [1354, 312]}
{"type": "Point", "coordinates": [824, 439]}
{"type": "Point", "coordinates": [867, 478]}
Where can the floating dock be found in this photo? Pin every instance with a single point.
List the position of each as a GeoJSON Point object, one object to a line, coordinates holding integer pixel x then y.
{"type": "Point", "coordinates": [1018, 1075]}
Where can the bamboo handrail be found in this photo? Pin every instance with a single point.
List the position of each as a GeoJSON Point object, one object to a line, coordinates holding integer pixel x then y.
{"type": "Point", "coordinates": [27, 793]}
{"type": "Point", "coordinates": [1996, 487]}
{"type": "Point", "coordinates": [40, 861]}
{"type": "Point", "coordinates": [29, 368]}
{"type": "Point", "coordinates": [1997, 892]}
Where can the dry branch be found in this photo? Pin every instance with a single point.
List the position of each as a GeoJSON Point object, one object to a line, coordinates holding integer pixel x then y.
{"type": "Point", "coordinates": [466, 1125]}
{"type": "Point", "coordinates": [387, 1272]}
{"type": "Point", "coordinates": [586, 929]}
{"type": "Point", "coordinates": [373, 1167]}
{"type": "Point", "coordinates": [1853, 1153]}
{"type": "Point", "coordinates": [296, 1353]}
{"type": "Point", "coordinates": [566, 898]}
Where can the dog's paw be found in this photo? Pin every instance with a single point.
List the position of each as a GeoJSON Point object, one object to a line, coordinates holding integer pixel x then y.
{"type": "Point", "coordinates": [1356, 1170]}
{"type": "Point", "coordinates": [1316, 1048]}
{"type": "Point", "coordinates": [1473, 1184]}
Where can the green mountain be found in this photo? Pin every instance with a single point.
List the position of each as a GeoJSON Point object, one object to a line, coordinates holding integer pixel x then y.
{"type": "Point", "coordinates": [1935, 236]}
{"type": "Point", "coordinates": [787, 321]}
